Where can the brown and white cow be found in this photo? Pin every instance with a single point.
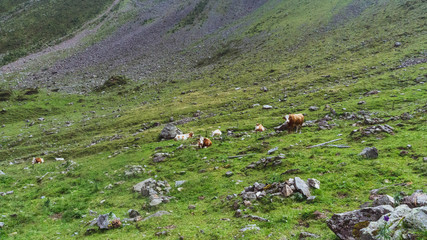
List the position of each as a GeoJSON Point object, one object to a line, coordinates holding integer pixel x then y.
{"type": "Point", "coordinates": [294, 121]}
{"type": "Point", "coordinates": [37, 160]}
{"type": "Point", "coordinates": [204, 142]}
{"type": "Point", "coordinates": [259, 128]}
{"type": "Point", "coordinates": [183, 136]}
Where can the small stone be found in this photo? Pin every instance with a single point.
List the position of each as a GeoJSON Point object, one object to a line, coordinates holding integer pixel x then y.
{"type": "Point", "coordinates": [397, 44]}
{"type": "Point", "coordinates": [314, 183]}
{"type": "Point", "coordinates": [361, 103]}
{"type": "Point", "coordinates": [313, 108]}
{"type": "Point", "coordinates": [272, 150]}
{"type": "Point", "coordinates": [103, 201]}
{"type": "Point", "coordinates": [102, 221]}
{"type": "Point", "coordinates": [370, 153]}
{"type": "Point", "coordinates": [179, 183]}
{"type": "Point", "coordinates": [264, 89]}
{"type": "Point", "coordinates": [156, 201]}
{"type": "Point", "coordinates": [2, 173]}
{"type": "Point", "coordinates": [304, 235]}
{"type": "Point", "coordinates": [1, 224]}
{"type": "Point", "coordinates": [319, 215]}
{"type": "Point", "coordinates": [247, 203]}
{"type": "Point", "coordinates": [133, 213]}
{"type": "Point", "coordinates": [287, 191]}
{"type": "Point", "coordinates": [238, 213]}
{"type": "Point", "coordinates": [191, 207]}
{"type": "Point", "coordinates": [267, 107]}
{"type": "Point", "coordinates": [9, 192]}
{"type": "Point", "coordinates": [229, 174]}
{"type": "Point", "coordinates": [311, 199]}
{"type": "Point", "coordinates": [250, 227]}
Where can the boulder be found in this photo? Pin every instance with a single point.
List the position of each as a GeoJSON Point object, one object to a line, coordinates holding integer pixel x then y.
{"type": "Point", "coordinates": [302, 187]}
{"type": "Point", "coordinates": [347, 225]}
{"type": "Point", "coordinates": [170, 131]}
{"type": "Point", "coordinates": [370, 153]}
{"type": "Point", "coordinates": [383, 200]}
{"type": "Point", "coordinates": [417, 199]}
{"type": "Point", "coordinates": [417, 219]}
{"type": "Point", "coordinates": [394, 217]}
{"type": "Point", "coordinates": [403, 222]}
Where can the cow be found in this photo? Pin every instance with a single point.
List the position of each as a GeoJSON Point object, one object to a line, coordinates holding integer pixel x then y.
{"type": "Point", "coordinates": [204, 142]}
{"type": "Point", "coordinates": [294, 121]}
{"type": "Point", "coordinates": [259, 128]}
{"type": "Point", "coordinates": [216, 133]}
{"type": "Point", "coordinates": [37, 160]}
{"type": "Point", "coordinates": [183, 136]}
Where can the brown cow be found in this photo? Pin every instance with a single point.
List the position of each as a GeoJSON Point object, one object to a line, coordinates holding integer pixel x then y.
{"type": "Point", "coordinates": [294, 121]}
{"type": "Point", "coordinates": [204, 142]}
{"type": "Point", "coordinates": [37, 160]}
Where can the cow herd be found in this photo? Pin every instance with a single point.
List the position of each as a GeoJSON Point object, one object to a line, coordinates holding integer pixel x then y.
{"type": "Point", "coordinates": [293, 121]}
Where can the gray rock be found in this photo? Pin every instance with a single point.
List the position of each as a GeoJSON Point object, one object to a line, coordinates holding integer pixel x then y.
{"type": "Point", "coordinates": [179, 183]}
{"type": "Point", "coordinates": [191, 207]}
{"type": "Point", "coordinates": [302, 187]}
{"type": "Point", "coordinates": [314, 183]}
{"type": "Point", "coordinates": [383, 200]}
{"type": "Point", "coordinates": [344, 225]}
{"type": "Point", "coordinates": [417, 219]}
{"type": "Point", "coordinates": [138, 187]}
{"type": "Point", "coordinates": [313, 108]}
{"type": "Point", "coordinates": [259, 186]}
{"type": "Point", "coordinates": [413, 220]}
{"type": "Point", "coordinates": [361, 102]}
{"type": "Point", "coordinates": [370, 153]}
{"type": "Point", "coordinates": [267, 107]}
{"type": "Point", "coordinates": [102, 221]}
{"type": "Point", "coordinates": [249, 196]}
{"type": "Point", "coordinates": [133, 213]}
{"type": "Point", "coordinates": [250, 227]}
{"type": "Point", "coordinates": [157, 214]}
{"type": "Point", "coordinates": [156, 201]}
{"type": "Point", "coordinates": [1, 224]}
{"type": "Point", "coordinates": [238, 213]}
{"type": "Point", "coordinates": [264, 89]}
{"type": "Point", "coordinates": [9, 192]}
{"type": "Point", "coordinates": [287, 191]}
{"type": "Point", "coordinates": [169, 132]}
{"type": "Point", "coordinates": [397, 44]}
{"type": "Point", "coordinates": [2, 173]}
{"type": "Point", "coordinates": [272, 150]}
{"type": "Point", "coordinates": [311, 199]}
{"type": "Point", "coordinates": [229, 174]}
{"type": "Point", "coordinates": [304, 235]}
{"type": "Point", "coordinates": [134, 170]}
{"type": "Point", "coordinates": [417, 199]}
{"type": "Point", "coordinates": [257, 218]}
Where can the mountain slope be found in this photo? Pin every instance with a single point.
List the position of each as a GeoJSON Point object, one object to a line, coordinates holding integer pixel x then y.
{"type": "Point", "coordinates": [204, 65]}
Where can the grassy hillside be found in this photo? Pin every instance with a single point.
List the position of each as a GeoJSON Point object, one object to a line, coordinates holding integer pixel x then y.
{"type": "Point", "coordinates": [305, 53]}
{"type": "Point", "coordinates": [28, 26]}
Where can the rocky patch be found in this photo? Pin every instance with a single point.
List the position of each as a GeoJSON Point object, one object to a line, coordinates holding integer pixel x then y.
{"type": "Point", "coordinates": [155, 190]}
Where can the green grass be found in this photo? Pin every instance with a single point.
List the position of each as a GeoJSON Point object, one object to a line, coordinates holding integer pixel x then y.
{"type": "Point", "coordinates": [346, 179]}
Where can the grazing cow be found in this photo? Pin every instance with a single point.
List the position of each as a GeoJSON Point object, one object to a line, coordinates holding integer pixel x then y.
{"type": "Point", "coordinates": [204, 142]}
{"type": "Point", "coordinates": [183, 136]}
{"type": "Point", "coordinates": [294, 121]}
{"type": "Point", "coordinates": [37, 160]}
{"type": "Point", "coordinates": [216, 133]}
{"type": "Point", "coordinates": [259, 128]}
